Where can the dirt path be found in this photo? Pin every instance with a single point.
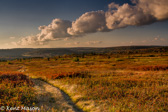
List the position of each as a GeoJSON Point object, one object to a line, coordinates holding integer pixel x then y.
{"type": "Point", "coordinates": [51, 98]}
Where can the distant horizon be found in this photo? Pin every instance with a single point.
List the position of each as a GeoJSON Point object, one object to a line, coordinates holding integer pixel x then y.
{"type": "Point", "coordinates": [91, 47]}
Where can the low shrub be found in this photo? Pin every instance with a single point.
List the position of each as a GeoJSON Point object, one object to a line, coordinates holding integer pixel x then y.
{"type": "Point", "coordinates": [16, 90]}
{"type": "Point", "coordinates": [76, 59]}
{"type": "Point", "coordinates": [118, 59]}
{"type": "Point", "coordinates": [152, 68]}
{"type": "Point", "coordinates": [81, 74]}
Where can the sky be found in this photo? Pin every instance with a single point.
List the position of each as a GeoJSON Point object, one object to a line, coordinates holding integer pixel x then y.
{"type": "Point", "coordinates": [82, 23]}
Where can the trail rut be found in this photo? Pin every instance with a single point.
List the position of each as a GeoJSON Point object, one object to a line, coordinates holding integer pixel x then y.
{"type": "Point", "coordinates": [51, 98]}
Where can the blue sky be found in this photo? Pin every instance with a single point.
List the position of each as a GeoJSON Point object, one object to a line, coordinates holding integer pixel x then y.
{"type": "Point", "coordinates": [21, 18]}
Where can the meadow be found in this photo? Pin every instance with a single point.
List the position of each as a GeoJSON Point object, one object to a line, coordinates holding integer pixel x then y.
{"type": "Point", "coordinates": [16, 90]}
{"type": "Point", "coordinates": [119, 82]}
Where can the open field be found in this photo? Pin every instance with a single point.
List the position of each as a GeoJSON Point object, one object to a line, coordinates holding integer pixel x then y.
{"type": "Point", "coordinates": [97, 82]}
{"type": "Point", "coordinates": [16, 90]}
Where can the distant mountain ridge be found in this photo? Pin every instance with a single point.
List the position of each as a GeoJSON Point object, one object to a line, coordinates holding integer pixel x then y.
{"type": "Point", "coordinates": [48, 52]}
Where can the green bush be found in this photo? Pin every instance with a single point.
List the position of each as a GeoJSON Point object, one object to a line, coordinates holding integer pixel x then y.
{"type": "Point", "coordinates": [8, 62]}
{"type": "Point", "coordinates": [76, 59]}
{"type": "Point", "coordinates": [118, 59]}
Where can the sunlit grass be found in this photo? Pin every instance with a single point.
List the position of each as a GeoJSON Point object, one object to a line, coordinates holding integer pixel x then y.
{"type": "Point", "coordinates": [125, 91]}
{"type": "Point", "coordinates": [136, 82]}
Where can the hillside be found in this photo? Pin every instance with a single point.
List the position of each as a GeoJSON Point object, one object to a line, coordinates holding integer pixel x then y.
{"type": "Point", "coordinates": [128, 80]}
{"type": "Point", "coordinates": [48, 52]}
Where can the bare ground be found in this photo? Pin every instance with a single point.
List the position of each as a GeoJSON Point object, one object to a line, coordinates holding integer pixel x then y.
{"type": "Point", "coordinates": [50, 97]}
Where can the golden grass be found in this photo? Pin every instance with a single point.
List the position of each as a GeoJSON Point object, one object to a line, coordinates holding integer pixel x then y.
{"type": "Point", "coordinates": [116, 83]}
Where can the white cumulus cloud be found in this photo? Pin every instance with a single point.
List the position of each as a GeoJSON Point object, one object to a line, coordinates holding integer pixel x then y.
{"type": "Point", "coordinates": [12, 37]}
{"type": "Point", "coordinates": [89, 22]}
{"type": "Point", "coordinates": [141, 13]}
{"type": "Point", "coordinates": [93, 42]}
{"type": "Point", "coordinates": [56, 30]}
